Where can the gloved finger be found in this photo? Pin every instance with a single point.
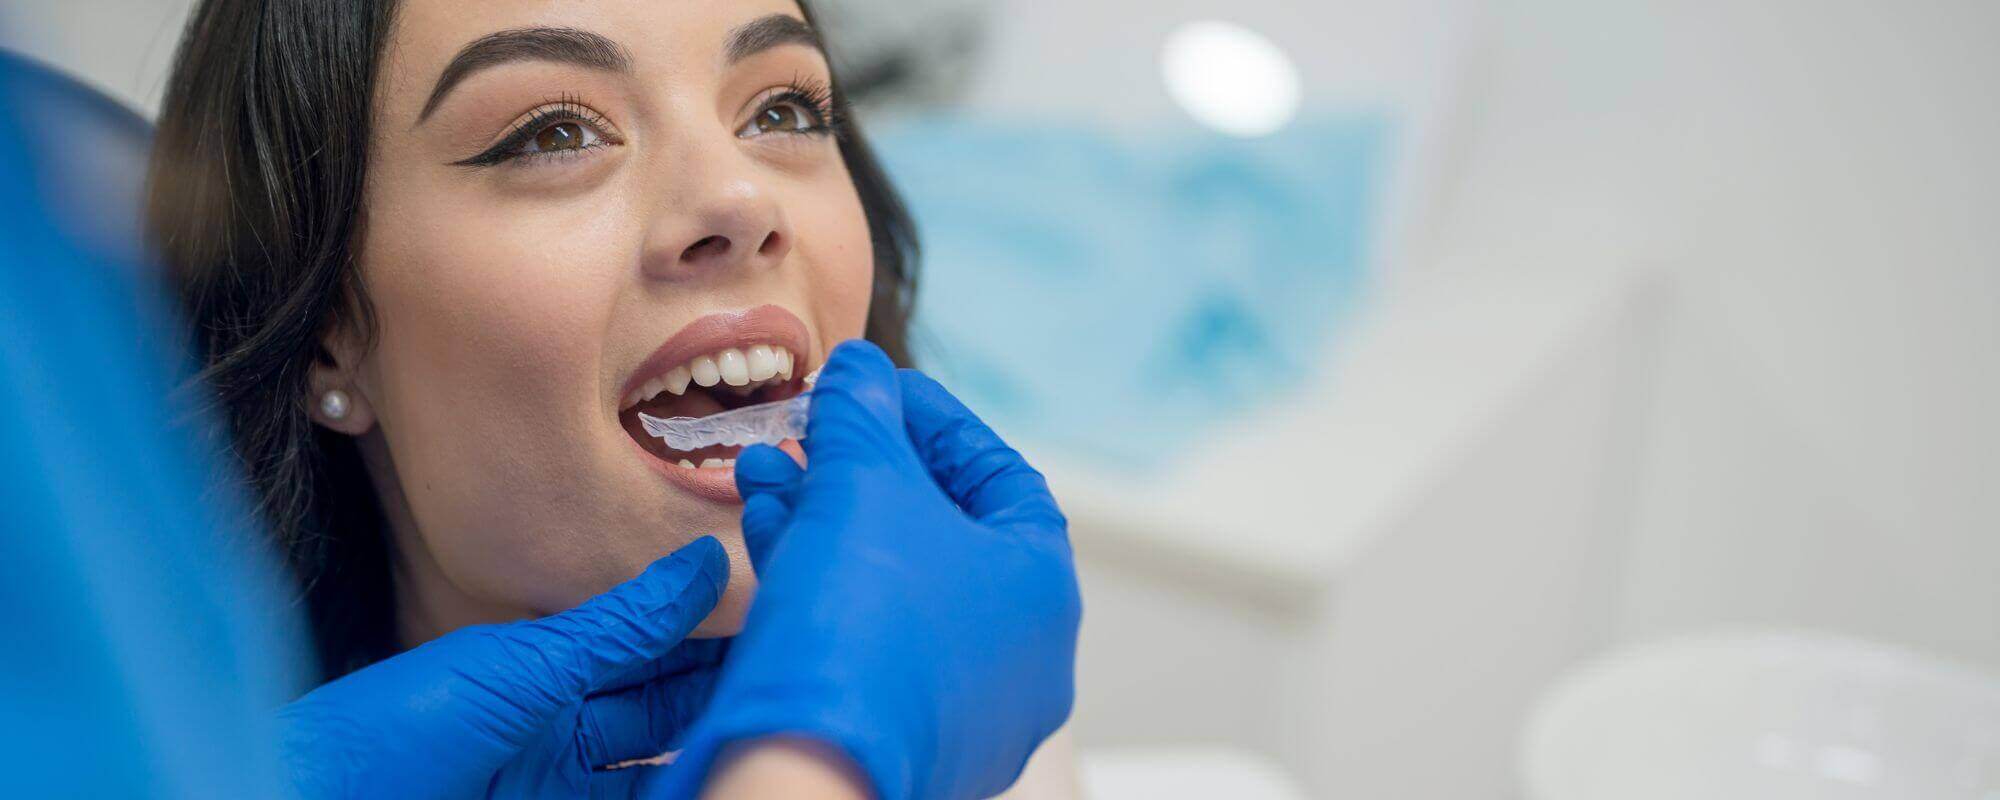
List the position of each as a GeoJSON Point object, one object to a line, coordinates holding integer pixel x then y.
{"type": "Point", "coordinates": [766, 477]}
{"type": "Point", "coordinates": [857, 408]}
{"type": "Point", "coordinates": [634, 623]}
{"type": "Point", "coordinates": [688, 656]}
{"type": "Point", "coordinates": [763, 469]}
{"type": "Point", "coordinates": [764, 520]}
{"type": "Point", "coordinates": [621, 782]}
{"type": "Point", "coordinates": [642, 721]}
{"type": "Point", "coordinates": [974, 466]}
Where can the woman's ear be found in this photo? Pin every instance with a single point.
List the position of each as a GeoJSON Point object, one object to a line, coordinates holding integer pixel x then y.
{"type": "Point", "coordinates": [338, 403]}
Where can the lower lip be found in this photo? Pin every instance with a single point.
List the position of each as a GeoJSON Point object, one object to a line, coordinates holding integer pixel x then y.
{"type": "Point", "coordinates": [713, 484]}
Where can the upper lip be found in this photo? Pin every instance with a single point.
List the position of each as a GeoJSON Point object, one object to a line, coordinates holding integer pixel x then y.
{"type": "Point", "coordinates": [765, 324]}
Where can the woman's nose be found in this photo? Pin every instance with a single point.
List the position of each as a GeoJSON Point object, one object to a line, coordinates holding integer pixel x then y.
{"type": "Point", "coordinates": [737, 225]}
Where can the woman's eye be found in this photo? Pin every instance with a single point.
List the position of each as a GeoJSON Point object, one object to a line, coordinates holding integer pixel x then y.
{"type": "Point", "coordinates": [787, 116]}
{"type": "Point", "coordinates": [562, 137]}
{"type": "Point", "coordinates": [564, 131]}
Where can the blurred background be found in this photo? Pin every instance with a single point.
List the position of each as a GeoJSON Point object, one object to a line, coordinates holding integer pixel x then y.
{"type": "Point", "coordinates": [1461, 398]}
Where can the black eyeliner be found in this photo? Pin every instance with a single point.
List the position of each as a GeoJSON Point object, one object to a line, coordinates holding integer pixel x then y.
{"type": "Point", "coordinates": [506, 149]}
{"type": "Point", "coordinates": [565, 109]}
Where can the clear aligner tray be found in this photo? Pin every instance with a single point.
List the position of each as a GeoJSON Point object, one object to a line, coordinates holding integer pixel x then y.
{"type": "Point", "coordinates": [764, 423]}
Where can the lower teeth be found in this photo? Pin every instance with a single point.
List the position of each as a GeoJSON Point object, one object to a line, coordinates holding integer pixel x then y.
{"type": "Point", "coordinates": [709, 463]}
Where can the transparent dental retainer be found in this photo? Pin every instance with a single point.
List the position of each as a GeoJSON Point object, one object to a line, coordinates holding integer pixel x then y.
{"type": "Point", "coordinates": [764, 423]}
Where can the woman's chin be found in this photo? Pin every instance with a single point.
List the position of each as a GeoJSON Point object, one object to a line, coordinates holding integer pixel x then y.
{"type": "Point", "coordinates": [725, 621]}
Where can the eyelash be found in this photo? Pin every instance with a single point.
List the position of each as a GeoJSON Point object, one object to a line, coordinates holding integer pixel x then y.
{"type": "Point", "coordinates": [807, 92]}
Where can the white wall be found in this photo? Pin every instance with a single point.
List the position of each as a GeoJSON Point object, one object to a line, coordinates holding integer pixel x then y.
{"type": "Point", "coordinates": [1821, 181]}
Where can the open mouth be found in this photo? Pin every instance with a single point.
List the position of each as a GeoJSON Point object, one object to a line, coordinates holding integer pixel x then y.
{"type": "Point", "coordinates": [729, 378]}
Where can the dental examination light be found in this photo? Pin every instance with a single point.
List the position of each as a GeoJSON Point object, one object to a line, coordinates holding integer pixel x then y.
{"type": "Point", "coordinates": [1230, 78]}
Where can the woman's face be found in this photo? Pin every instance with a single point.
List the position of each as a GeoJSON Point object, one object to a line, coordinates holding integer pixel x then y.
{"type": "Point", "coordinates": [572, 207]}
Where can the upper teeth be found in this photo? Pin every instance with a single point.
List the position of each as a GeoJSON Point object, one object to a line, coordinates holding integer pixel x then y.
{"type": "Point", "coordinates": [733, 366]}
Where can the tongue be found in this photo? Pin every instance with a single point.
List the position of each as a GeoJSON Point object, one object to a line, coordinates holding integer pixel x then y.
{"type": "Point", "coordinates": [697, 402]}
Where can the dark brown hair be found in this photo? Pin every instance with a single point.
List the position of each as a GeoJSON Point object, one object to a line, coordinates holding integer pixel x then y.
{"type": "Point", "coordinates": [255, 206]}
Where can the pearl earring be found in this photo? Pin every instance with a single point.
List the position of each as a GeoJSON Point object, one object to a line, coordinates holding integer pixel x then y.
{"type": "Point", "coordinates": [333, 404]}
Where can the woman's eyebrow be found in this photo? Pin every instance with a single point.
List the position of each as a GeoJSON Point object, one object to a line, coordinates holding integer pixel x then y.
{"type": "Point", "coordinates": [764, 33]}
{"type": "Point", "coordinates": [561, 45]}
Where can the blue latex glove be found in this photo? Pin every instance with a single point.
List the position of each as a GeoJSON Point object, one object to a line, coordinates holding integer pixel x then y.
{"type": "Point", "coordinates": [917, 605]}
{"type": "Point", "coordinates": [523, 709]}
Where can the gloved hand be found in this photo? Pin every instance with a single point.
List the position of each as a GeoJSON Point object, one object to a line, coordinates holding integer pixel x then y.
{"type": "Point", "coordinates": [514, 710]}
{"type": "Point", "coordinates": [917, 605]}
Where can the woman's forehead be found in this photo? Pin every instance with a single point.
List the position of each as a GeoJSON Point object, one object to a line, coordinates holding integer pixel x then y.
{"type": "Point", "coordinates": [654, 34]}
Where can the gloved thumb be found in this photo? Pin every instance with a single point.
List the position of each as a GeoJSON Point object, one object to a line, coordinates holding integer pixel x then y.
{"type": "Point", "coordinates": [636, 622]}
{"type": "Point", "coordinates": [984, 476]}
{"type": "Point", "coordinates": [857, 408]}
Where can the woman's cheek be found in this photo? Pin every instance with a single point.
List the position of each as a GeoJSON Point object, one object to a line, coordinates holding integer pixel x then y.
{"type": "Point", "coordinates": [491, 352]}
{"type": "Point", "coordinates": [834, 238]}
